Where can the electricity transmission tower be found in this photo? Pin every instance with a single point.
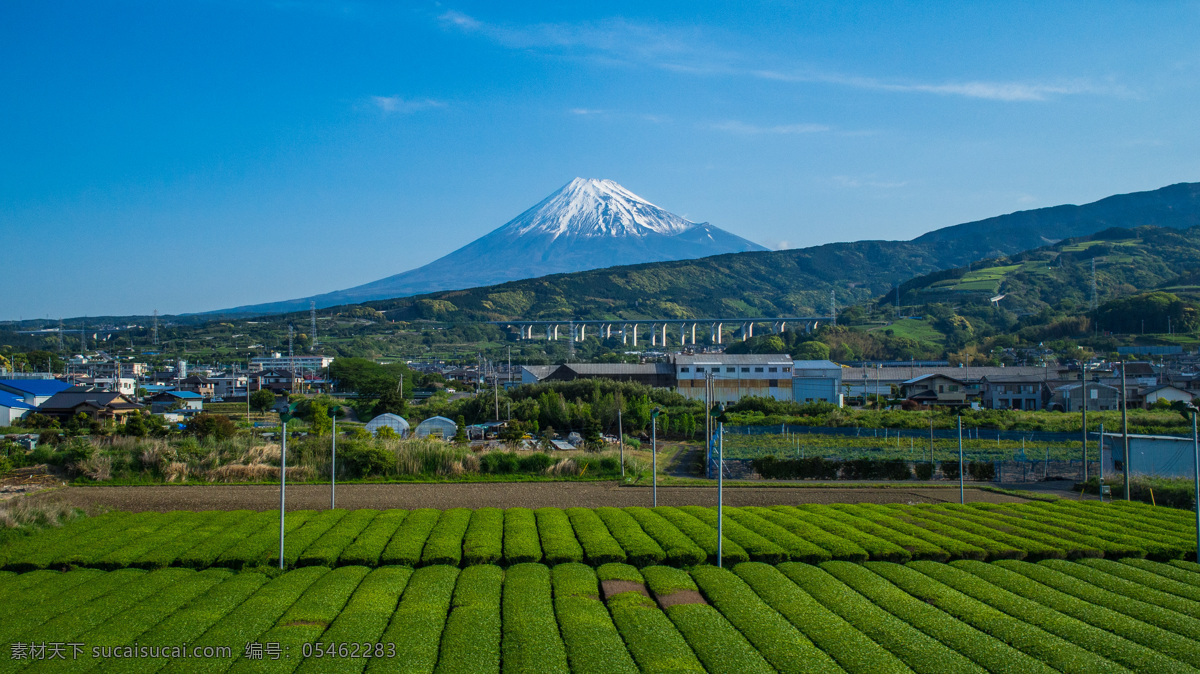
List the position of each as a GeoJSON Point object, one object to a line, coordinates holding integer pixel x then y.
{"type": "Point", "coordinates": [156, 328]}
{"type": "Point", "coordinates": [833, 307]}
{"type": "Point", "coordinates": [312, 316]}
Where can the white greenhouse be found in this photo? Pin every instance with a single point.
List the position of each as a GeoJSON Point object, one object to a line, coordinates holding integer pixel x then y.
{"type": "Point", "coordinates": [437, 426]}
{"type": "Point", "coordinates": [393, 421]}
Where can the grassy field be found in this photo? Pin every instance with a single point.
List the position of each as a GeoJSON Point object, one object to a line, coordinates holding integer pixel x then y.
{"type": "Point", "coordinates": [913, 328]}
{"type": "Point", "coordinates": [1061, 586]}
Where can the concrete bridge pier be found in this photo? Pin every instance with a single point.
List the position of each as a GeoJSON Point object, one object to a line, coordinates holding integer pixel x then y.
{"type": "Point", "coordinates": [556, 332]}
{"type": "Point", "coordinates": [654, 334]}
{"type": "Point", "coordinates": [635, 329]}
{"type": "Point", "coordinates": [715, 332]}
{"type": "Point", "coordinates": [693, 340]}
{"type": "Point", "coordinates": [664, 335]}
{"type": "Point", "coordinates": [582, 332]}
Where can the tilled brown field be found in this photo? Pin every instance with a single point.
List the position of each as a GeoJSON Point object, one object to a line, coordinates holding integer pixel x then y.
{"type": "Point", "coordinates": [479, 495]}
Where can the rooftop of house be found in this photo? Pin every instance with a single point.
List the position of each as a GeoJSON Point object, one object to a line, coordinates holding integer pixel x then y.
{"type": "Point", "coordinates": [37, 387]}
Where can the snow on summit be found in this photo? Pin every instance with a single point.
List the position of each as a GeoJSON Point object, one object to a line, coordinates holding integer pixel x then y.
{"type": "Point", "coordinates": [591, 208]}
{"type": "Point", "coordinates": [587, 224]}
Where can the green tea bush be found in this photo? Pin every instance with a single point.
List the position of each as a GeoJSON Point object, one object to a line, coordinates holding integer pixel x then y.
{"type": "Point", "coordinates": [588, 632]}
{"type": "Point", "coordinates": [531, 641]}
{"type": "Point", "coordinates": [471, 640]}
{"type": "Point", "coordinates": [640, 549]}
{"type": "Point", "coordinates": [521, 542]}
{"type": "Point", "coordinates": [775, 638]}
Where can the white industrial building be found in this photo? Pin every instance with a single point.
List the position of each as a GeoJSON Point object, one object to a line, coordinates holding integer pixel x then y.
{"type": "Point", "coordinates": [735, 375]}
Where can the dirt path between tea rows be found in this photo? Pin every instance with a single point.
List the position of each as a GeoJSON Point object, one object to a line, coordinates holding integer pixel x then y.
{"type": "Point", "coordinates": [478, 495]}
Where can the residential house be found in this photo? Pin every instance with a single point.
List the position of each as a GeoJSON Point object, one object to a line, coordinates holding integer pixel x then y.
{"type": "Point", "coordinates": [33, 391]}
{"type": "Point", "coordinates": [935, 389]}
{"type": "Point", "coordinates": [96, 404]}
{"type": "Point", "coordinates": [172, 400]}
{"type": "Point", "coordinates": [1026, 392]}
{"type": "Point", "coordinates": [203, 386]}
{"type": "Point", "coordinates": [278, 381]}
{"type": "Point", "coordinates": [1164, 392]}
{"type": "Point", "coordinates": [12, 407]}
{"type": "Point", "coordinates": [1100, 397]}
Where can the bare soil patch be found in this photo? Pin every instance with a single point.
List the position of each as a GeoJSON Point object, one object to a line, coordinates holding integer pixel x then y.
{"type": "Point", "coordinates": [612, 588]}
{"type": "Point", "coordinates": [680, 597]}
{"type": "Point", "coordinates": [162, 498]}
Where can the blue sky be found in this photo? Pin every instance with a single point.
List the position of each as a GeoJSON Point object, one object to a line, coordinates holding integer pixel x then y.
{"type": "Point", "coordinates": [188, 156]}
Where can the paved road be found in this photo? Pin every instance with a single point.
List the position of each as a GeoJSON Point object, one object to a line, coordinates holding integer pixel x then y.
{"type": "Point", "coordinates": [477, 495]}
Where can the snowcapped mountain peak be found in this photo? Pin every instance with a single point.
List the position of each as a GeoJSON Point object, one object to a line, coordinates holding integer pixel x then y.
{"type": "Point", "coordinates": [593, 208]}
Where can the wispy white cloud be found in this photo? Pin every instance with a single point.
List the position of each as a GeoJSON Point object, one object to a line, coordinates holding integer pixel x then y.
{"type": "Point", "coordinates": [734, 126]}
{"type": "Point", "coordinates": [396, 104]}
{"type": "Point", "coordinates": [586, 111]}
{"type": "Point", "coordinates": [867, 181]}
{"type": "Point", "coordinates": [692, 52]}
{"type": "Point", "coordinates": [996, 91]}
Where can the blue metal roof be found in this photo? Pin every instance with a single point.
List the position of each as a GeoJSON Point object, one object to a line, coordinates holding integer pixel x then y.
{"type": "Point", "coordinates": [38, 387]}
{"type": "Point", "coordinates": [12, 400]}
{"type": "Point", "coordinates": [185, 394]}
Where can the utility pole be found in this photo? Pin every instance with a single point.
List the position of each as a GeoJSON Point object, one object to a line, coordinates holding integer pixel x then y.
{"type": "Point", "coordinates": [496, 392]}
{"type": "Point", "coordinates": [1083, 398]}
{"type": "Point", "coordinates": [1125, 431]}
{"type": "Point", "coordinates": [621, 436]}
{"type": "Point", "coordinates": [962, 499]}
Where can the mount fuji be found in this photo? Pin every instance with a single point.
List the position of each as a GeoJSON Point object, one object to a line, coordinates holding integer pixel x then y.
{"type": "Point", "coordinates": [587, 224]}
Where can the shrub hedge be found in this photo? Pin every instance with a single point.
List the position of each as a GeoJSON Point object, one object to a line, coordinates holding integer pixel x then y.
{"type": "Point", "coordinates": [678, 549]}
{"type": "Point", "coordinates": [558, 538]}
{"type": "Point", "coordinates": [445, 542]}
{"type": "Point", "coordinates": [1031, 639]}
{"type": "Point", "coordinates": [1101, 642]}
{"type": "Point", "coordinates": [984, 649]}
{"type": "Point", "coordinates": [777, 639]}
{"type": "Point", "coordinates": [1100, 596]}
{"type": "Point", "coordinates": [704, 536]}
{"type": "Point", "coordinates": [416, 626]}
{"type": "Point", "coordinates": [483, 542]}
{"type": "Point", "coordinates": [921, 652]}
{"type": "Point", "coordinates": [588, 632]}
{"type": "Point", "coordinates": [599, 546]}
{"type": "Point", "coordinates": [370, 544]}
{"type": "Point", "coordinates": [531, 641]}
{"type": "Point", "coordinates": [1153, 637]}
{"type": "Point", "coordinates": [521, 543]}
{"type": "Point", "coordinates": [409, 540]}
{"type": "Point", "coordinates": [640, 549]}
{"type": "Point", "coordinates": [471, 640]}
{"type": "Point", "coordinates": [839, 639]}
{"type": "Point", "coordinates": [326, 549]}
{"type": "Point", "coordinates": [364, 620]}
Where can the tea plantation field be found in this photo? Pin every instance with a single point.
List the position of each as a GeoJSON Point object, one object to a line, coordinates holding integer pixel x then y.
{"type": "Point", "coordinates": [682, 536]}
{"type": "Point", "coordinates": [1038, 587]}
